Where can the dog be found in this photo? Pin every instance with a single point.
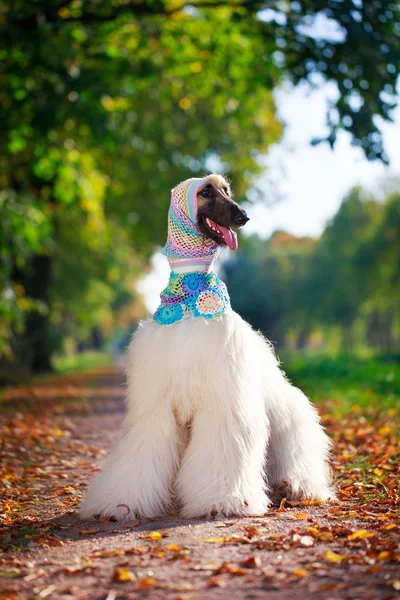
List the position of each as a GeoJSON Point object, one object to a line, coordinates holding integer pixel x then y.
{"type": "Point", "coordinates": [213, 427]}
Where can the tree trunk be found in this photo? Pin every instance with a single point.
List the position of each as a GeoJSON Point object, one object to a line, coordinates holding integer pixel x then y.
{"type": "Point", "coordinates": [302, 339]}
{"type": "Point", "coordinates": [347, 341]}
{"type": "Point", "coordinates": [36, 340]}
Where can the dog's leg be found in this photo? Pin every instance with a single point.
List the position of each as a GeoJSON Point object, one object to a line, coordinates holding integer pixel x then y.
{"type": "Point", "coordinates": [298, 450]}
{"type": "Point", "coordinates": [138, 477]}
{"type": "Point", "coordinates": [222, 468]}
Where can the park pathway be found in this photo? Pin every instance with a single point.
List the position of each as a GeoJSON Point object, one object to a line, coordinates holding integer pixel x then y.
{"type": "Point", "coordinates": [55, 435]}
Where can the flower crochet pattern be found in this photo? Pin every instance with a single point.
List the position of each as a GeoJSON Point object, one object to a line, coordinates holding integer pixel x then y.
{"type": "Point", "coordinates": [197, 293]}
{"type": "Point", "coordinates": [192, 295]}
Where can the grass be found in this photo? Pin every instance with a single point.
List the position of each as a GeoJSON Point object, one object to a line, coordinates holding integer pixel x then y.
{"type": "Point", "coordinates": [346, 381]}
{"type": "Point", "coordinates": [82, 362]}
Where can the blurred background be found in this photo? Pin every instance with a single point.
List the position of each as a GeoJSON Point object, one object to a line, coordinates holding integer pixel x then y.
{"type": "Point", "coordinates": [105, 106]}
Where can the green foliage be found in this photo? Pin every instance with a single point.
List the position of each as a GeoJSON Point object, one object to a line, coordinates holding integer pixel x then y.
{"type": "Point", "coordinates": [264, 280]}
{"type": "Point", "coordinates": [346, 381]}
{"type": "Point", "coordinates": [24, 229]}
{"type": "Point", "coordinates": [348, 280]}
{"type": "Point", "coordinates": [82, 361]}
{"type": "Point", "coordinates": [105, 106]}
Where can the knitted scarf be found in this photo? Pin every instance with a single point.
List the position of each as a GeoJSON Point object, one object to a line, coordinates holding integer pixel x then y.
{"type": "Point", "coordinates": [199, 292]}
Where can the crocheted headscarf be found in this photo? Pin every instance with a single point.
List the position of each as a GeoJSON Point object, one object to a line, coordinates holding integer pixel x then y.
{"type": "Point", "coordinates": [195, 293]}
{"type": "Point", "coordinates": [186, 245]}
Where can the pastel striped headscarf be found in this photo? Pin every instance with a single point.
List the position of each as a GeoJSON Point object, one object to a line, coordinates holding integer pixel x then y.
{"type": "Point", "coordinates": [186, 245]}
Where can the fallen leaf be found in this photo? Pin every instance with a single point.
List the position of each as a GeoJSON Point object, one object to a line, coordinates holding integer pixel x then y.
{"type": "Point", "coordinates": [131, 524]}
{"type": "Point", "coordinates": [46, 591]}
{"type": "Point", "coordinates": [360, 535]}
{"type": "Point", "coordinates": [302, 515]}
{"type": "Point", "coordinates": [145, 584]}
{"type": "Point", "coordinates": [300, 572]}
{"type": "Point", "coordinates": [88, 531]}
{"type": "Point", "coordinates": [210, 540]}
{"type": "Point", "coordinates": [252, 562]}
{"type": "Point", "coordinates": [251, 531]}
{"type": "Point", "coordinates": [216, 582]}
{"type": "Point", "coordinates": [226, 567]}
{"type": "Point", "coordinates": [155, 535]}
{"type": "Point", "coordinates": [335, 558]}
{"type": "Point", "coordinates": [313, 530]}
{"type": "Point", "coordinates": [123, 574]}
{"type": "Point", "coordinates": [128, 510]}
{"type": "Point", "coordinates": [174, 547]}
{"type": "Point", "coordinates": [282, 505]}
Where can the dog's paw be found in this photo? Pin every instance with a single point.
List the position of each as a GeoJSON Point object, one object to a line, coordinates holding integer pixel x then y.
{"type": "Point", "coordinates": [234, 507]}
{"type": "Point", "coordinates": [230, 506]}
{"type": "Point", "coordinates": [300, 491]}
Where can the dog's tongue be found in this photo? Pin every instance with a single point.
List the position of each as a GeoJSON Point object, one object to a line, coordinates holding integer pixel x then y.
{"type": "Point", "coordinates": [230, 237]}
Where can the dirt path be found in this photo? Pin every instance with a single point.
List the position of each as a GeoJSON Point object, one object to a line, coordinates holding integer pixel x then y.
{"type": "Point", "coordinates": [56, 433]}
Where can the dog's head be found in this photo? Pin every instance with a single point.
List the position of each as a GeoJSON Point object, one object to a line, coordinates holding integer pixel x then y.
{"type": "Point", "coordinates": [217, 213]}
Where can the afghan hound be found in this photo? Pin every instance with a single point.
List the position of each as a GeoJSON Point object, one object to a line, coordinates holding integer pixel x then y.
{"type": "Point", "coordinates": [213, 426]}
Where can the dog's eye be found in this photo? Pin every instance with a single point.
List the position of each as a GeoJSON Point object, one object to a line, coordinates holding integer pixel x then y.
{"type": "Point", "coordinates": [225, 189]}
{"type": "Point", "coordinates": [205, 193]}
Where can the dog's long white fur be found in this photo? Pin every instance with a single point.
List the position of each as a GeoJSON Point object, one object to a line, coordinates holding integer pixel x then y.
{"type": "Point", "coordinates": [212, 425]}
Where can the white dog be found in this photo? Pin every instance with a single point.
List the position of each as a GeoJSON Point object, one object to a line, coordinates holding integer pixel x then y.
{"type": "Point", "coordinates": [212, 424]}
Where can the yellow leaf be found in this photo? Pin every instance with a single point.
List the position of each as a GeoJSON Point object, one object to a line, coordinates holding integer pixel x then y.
{"type": "Point", "coordinates": [212, 540]}
{"type": "Point", "coordinates": [185, 103]}
{"type": "Point", "coordinates": [313, 530]}
{"type": "Point", "coordinates": [299, 516]}
{"type": "Point", "coordinates": [161, 554]}
{"type": "Point", "coordinates": [390, 526]}
{"type": "Point", "coordinates": [324, 536]}
{"type": "Point", "coordinates": [155, 535]}
{"type": "Point", "coordinates": [361, 534]}
{"type": "Point", "coordinates": [195, 67]}
{"type": "Point", "coordinates": [378, 472]}
{"type": "Point", "coordinates": [335, 558]}
{"type": "Point", "coordinates": [384, 554]}
{"type": "Point", "coordinates": [384, 430]}
{"type": "Point", "coordinates": [122, 574]}
{"type": "Point", "coordinates": [300, 572]}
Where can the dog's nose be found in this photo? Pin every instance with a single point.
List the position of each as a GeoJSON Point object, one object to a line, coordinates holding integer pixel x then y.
{"type": "Point", "coordinates": [242, 218]}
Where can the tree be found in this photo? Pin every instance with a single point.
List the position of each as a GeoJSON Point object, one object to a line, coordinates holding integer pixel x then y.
{"type": "Point", "coordinates": [104, 120]}
{"type": "Point", "coordinates": [353, 43]}
{"type": "Point", "coordinates": [346, 281]}
{"type": "Point", "coordinates": [265, 280]}
{"type": "Point", "coordinates": [105, 106]}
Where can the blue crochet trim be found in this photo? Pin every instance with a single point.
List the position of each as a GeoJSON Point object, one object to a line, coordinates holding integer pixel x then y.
{"type": "Point", "coordinates": [192, 294]}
